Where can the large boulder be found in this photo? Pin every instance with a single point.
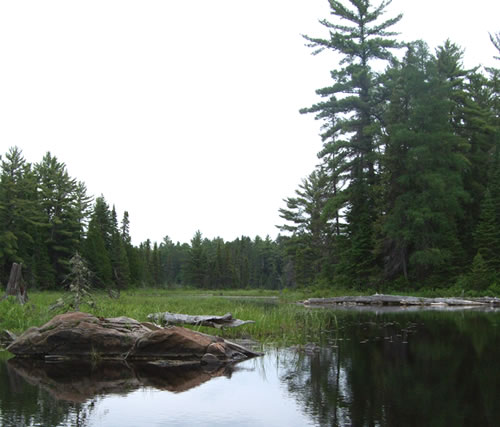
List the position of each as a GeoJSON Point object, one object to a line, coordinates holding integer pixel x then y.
{"type": "Point", "coordinates": [177, 343]}
{"type": "Point", "coordinates": [81, 335]}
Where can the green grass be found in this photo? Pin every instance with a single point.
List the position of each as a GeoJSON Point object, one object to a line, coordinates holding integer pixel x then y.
{"type": "Point", "coordinates": [277, 319]}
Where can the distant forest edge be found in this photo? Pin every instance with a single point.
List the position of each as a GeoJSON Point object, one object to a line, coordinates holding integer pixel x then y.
{"type": "Point", "coordinates": [47, 216]}
{"type": "Point", "coordinates": [406, 195]}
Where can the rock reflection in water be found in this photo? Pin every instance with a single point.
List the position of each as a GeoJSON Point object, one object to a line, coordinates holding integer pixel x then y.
{"type": "Point", "coordinates": [79, 381]}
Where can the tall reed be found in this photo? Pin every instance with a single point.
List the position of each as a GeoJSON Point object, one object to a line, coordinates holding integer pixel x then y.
{"type": "Point", "coordinates": [276, 320]}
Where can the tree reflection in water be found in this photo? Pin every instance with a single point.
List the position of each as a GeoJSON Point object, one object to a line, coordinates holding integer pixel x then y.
{"type": "Point", "coordinates": [429, 368]}
{"type": "Point", "coordinates": [25, 404]}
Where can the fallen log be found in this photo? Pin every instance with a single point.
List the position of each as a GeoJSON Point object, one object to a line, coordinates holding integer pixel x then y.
{"type": "Point", "coordinates": [397, 300]}
{"type": "Point", "coordinates": [493, 301]}
{"type": "Point", "coordinates": [218, 322]}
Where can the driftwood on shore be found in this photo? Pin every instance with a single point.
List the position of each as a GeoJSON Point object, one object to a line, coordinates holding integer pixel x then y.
{"type": "Point", "coordinates": [403, 301]}
{"type": "Point", "coordinates": [218, 322]}
{"type": "Point", "coordinates": [16, 286]}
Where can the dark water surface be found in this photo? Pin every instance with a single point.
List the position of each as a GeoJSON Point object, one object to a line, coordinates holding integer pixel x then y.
{"type": "Point", "coordinates": [376, 369]}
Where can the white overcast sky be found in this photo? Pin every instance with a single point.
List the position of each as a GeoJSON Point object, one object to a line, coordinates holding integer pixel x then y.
{"type": "Point", "coordinates": [185, 112]}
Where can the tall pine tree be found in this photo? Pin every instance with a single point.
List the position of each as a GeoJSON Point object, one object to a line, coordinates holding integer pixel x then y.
{"type": "Point", "coordinates": [351, 112]}
{"type": "Point", "coordinates": [311, 234]}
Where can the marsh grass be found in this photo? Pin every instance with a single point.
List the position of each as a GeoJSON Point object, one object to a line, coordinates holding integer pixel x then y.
{"type": "Point", "coordinates": [17, 318]}
{"type": "Point", "coordinates": [276, 319]}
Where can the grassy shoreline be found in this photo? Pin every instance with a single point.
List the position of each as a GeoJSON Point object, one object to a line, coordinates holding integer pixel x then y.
{"type": "Point", "coordinates": [277, 318]}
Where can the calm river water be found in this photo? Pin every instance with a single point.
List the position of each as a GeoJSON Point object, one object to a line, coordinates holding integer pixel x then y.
{"type": "Point", "coordinates": [376, 369]}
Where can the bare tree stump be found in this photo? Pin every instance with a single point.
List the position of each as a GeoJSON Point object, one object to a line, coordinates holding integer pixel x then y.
{"type": "Point", "coordinates": [16, 286]}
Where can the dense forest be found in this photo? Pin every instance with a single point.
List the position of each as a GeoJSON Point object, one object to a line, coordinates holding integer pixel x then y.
{"type": "Point", "coordinates": [47, 216]}
{"type": "Point", "coordinates": [406, 194]}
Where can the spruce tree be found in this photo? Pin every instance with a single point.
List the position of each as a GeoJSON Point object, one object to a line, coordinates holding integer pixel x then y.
{"type": "Point", "coordinates": [132, 252]}
{"type": "Point", "coordinates": [145, 263]}
{"type": "Point", "coordinates": [98, 243]}
{"type": "Point", "coordinates": [197, 263]}
{"type": "Point", "coordinates": [119, 259]}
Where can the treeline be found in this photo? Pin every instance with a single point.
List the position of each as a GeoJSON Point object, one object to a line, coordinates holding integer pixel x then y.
{"type": "Point", "coordinates": [406, 194]}
{"type": "Point", "coordinates": [408, 186]}
{"type": "Point", "coordinates": [46, 217]}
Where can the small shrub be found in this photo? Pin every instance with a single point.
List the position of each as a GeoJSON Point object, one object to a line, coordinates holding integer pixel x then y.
{"type": "Point", "coordinates": [79, 280]}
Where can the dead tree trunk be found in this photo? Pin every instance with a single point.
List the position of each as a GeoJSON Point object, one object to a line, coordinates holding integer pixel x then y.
{"type": "Point", "coordinates": [16, 285]}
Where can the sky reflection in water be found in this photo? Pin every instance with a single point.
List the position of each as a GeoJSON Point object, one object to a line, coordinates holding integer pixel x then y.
{"type": "Point", "coordinates": [253, 396]}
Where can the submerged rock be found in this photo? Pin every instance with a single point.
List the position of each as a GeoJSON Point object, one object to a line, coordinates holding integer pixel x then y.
{"type": "Point", "coordinates": [81, 335]}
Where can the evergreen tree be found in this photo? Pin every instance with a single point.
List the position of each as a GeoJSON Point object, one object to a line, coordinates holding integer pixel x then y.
{"type": "Point", "coordinates": [218, 266]}
{"type": "Point", "coordinates": [131, 252]}
{"type": "Point", "coordinates": [481, 276]}
{"type": "Point", "coordinates": [146, 263]}
{"type": "Point", "coordinates": [60, 225]}
{"type": "Point", "coordinates": [98, 243]}
{"type": "Point", "coordinates": [82, 210]}
{"type": "Point", "coordinates": [197, 264]}
{"type": "Point", "coordinates": [125, 228]}
{"type": "Point", "coordinates": [487, 235]}
{"type": "Point", "coordinates": [228, 267]}
{"type": "Point", "coordinates": [423, 168]}
{"type": "Point", "coordinates": [170, 261]}
{"type": "Point", "coordinates": [155, 265]}
{"type": "Point", "coordinates": [311, 233]}
{"type": "Point", "coordinates": [119, 259]}
{"type": "Point", "coordinates": [479, 130]}
{"type": "Point", "coordinates": [351, 113]}
{"type": "Point", "coordinates": [18, 211]}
